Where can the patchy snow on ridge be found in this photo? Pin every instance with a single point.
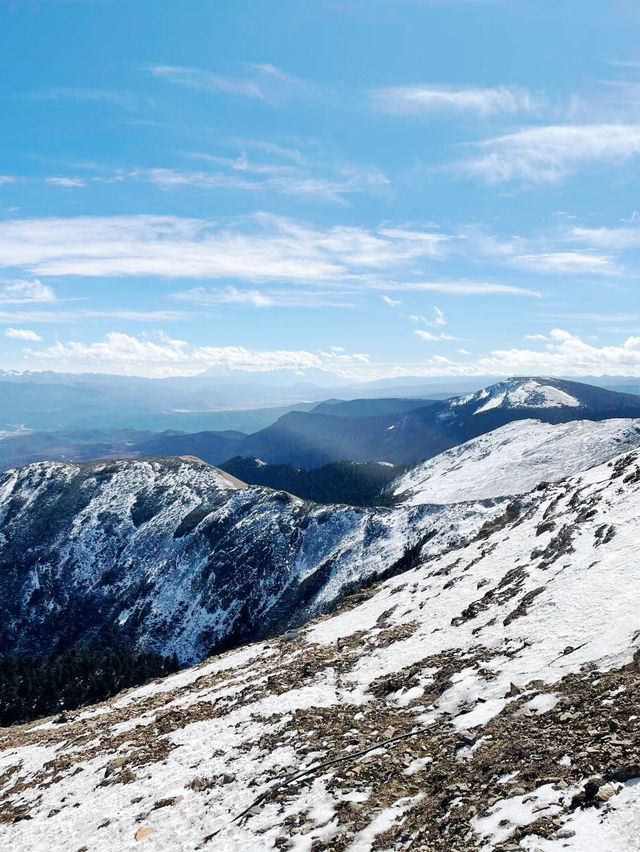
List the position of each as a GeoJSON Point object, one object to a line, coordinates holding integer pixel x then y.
{"type": "Point", "coordinates": [514, 459]}
{"type": "Point", "coordinates": [484, 699]}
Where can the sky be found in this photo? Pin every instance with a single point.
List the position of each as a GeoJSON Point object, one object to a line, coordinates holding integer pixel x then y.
{"type": "Point", "coordinates": [369, 187]}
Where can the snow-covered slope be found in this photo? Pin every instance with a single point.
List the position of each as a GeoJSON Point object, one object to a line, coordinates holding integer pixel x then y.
{"type": "Point", "coordinates": [172, 555]}
{"type": "Point", "coordinates": [486, 698]}
{"type": "Point", "coordinates": [515, 458]}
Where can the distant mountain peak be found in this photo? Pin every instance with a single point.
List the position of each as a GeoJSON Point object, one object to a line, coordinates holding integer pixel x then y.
{"type": "Point", "coordinates": [521, 392]}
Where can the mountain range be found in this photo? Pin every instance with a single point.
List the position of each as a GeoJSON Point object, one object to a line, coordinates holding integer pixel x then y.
{"type": "Point", "coordinates": [475, 684]}
{"type": "Point", "coordinates": [399, 431]}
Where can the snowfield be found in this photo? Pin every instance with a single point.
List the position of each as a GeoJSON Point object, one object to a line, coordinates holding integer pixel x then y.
{"type": "Point", "coordinates": [484, 698]}
{"type": "Point", "coordinates": [514, 459]}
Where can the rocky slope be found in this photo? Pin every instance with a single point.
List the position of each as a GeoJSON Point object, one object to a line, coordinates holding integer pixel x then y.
{"type": "Point", "coordinates": [485, 698]}
{"type": "Point", "coordinates": [173, 556]}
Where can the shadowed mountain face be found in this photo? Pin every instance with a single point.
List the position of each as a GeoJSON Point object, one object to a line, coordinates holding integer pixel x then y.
{"type": "Point", "coordinates": [313, 438]}
{"type": "Point", "coordinates": [356, 483]}
{"type": "Point", "coordinates": [310, 439]}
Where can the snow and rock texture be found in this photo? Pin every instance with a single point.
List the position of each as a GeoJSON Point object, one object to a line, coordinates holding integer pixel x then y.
{"type": "Point", "coordinates": [485, 698]}
{"type": "Point", "coordinates": [173, 556]}
{"type": "Point", "coordinates": [514, 459]}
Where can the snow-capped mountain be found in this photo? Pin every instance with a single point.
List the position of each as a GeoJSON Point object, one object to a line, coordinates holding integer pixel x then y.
{"type": "Point", "coordinates": [515, 458]}
{"type": "Point", "coordinates": [485, 698]}
{"type": "Point", "coordinates": [520, 393]}
{"type": "Point", "coordinates": [176, 557]}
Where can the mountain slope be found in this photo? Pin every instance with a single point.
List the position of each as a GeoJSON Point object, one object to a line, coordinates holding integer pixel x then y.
{"type": "Point", "coordinates": [485, 698]}
{"type": "Point", "coordinates": [173, 556]}
{"type": "Point", "coordinates": [515, 458]}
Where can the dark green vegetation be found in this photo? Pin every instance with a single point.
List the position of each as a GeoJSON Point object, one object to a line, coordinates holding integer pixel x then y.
{"type": "Point", "coordinates": [31, 687]}
{"type": "Point", "coordinates": [358, 484]}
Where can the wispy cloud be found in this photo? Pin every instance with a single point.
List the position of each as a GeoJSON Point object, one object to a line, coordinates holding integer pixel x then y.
{"type": "Point", "coordinates": [438, 318]}
{"type": "Point", "coordinates": [568, 263]}
{"type": "Point", "coordinates": [268, 178]}
{"type": "Point", "coordinates": [83, 315]}
{"type": "Point", "coordinates": [607, 238]}
{"type": "Point", "coordinates": [22, 334]}
{"type": "Point", "coordinates": [125, 99]}
{"type": "Point", "coordinates": [430, 337]}
{"type": "Point", "coordinates": [262, 253]}
{"type": "Point", "coordinates": [595, 317]}
{"type": "Point", "coordinates": [65, 181]}
{"type": "Point", "coordinates": [484, 102]}
{"type": "Point", "coordinates": [466, 288]}
{"type": "Point", "coordinates": [273, 298]}
{"type": "Point", "coordinates": [272, 148]}
{"type": "Point", "coordinates": [261, 81]}
{"type": "Point", "coordinates": [551, 153]}
{"type": "Point", "coordinates": [257, 248]}
{"type": "Point", "coordinates": [393, 303]}
{"type": "Point", "coordinates": [24, 292]}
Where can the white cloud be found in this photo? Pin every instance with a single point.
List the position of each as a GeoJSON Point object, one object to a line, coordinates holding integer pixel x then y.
{"type": "Point", "coordinates": [262, 82]}
{"type": "Point", "coordinates": [65, 181]}
{"type": "Point", "coordinates": [565, 354]}
{"type": "Point", "coordinates": [162, 356]}
{"type": "Point", "coordinates": [393, 303]}
{"type": "Point", "coordinates": [418, 99]}
{"type": "Point", "coordinates": [551, 153]}
{"type": "Point", "coordinates": [6, 179]}
{"type": "Point", "coordinates": [22, 334]}
{"type": "Point", "coordinates": [568, 263]}
{"type": "Point", "coordinates": [24, 292]}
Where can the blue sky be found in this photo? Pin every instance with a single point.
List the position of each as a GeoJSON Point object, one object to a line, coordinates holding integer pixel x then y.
{"type": "Point", "coordinates": [371, 187]}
